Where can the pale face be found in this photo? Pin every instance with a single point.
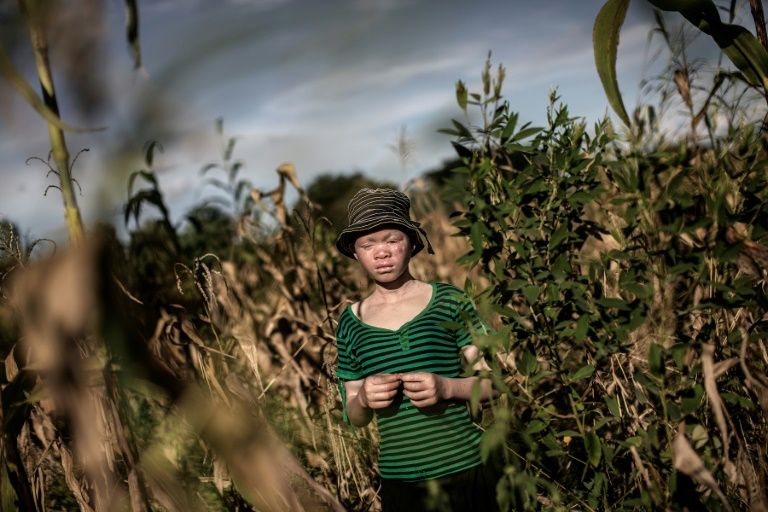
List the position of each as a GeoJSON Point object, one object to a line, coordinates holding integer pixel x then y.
{"type": "Point", "coordinates": [384, 254]}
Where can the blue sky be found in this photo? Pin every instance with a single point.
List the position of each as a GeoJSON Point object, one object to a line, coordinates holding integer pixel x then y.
{"type": "Point", "coordinates": [325, 85]}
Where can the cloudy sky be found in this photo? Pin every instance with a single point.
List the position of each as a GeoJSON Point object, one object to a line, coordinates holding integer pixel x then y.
{"type": "Point", "coordinates": [326, 85]}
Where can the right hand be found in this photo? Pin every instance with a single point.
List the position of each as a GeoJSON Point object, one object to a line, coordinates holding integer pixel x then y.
{"type": "Point", "coordinates": [378, 391]}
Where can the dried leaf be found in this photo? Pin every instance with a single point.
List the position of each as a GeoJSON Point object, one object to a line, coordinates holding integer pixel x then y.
{"type": "Point", "coordinates": [11, 368]}
{"type": "Point", "coordinates": [715, 402]}
{"type": "Point", "coordinates": [687, 461]}
{"type": "Point", "coordinates": [288, 170]}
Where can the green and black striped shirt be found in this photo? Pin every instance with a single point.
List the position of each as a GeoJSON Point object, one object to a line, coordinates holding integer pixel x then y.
{"type": "Point", "coordinates": [416, 444]}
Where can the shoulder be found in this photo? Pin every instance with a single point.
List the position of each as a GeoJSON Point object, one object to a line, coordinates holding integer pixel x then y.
{"type": "Point", "coordinates": [449, 291]}
{"type": "Point", "coordinates": [344, 319]}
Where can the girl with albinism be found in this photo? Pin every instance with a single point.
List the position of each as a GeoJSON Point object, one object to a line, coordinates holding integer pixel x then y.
{"type": "Point", "coordinates": [400, 362]}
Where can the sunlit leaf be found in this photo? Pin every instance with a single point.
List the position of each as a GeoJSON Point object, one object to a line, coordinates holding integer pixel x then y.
{"type": "Point", "coordinates": [605, 42]}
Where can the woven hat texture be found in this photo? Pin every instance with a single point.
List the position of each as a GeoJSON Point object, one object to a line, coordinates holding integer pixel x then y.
{"type": "Point", "coordinates": [371, 209]}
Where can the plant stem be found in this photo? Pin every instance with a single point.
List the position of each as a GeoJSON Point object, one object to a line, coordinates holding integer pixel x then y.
{"type": "Point", "coordinates": [757, 14]}
{"type": "Point", "coordinates": [56, 134]}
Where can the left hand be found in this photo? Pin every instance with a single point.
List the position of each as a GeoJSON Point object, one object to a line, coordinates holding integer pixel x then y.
{"type": "Point", "coordinates": [424, 389]}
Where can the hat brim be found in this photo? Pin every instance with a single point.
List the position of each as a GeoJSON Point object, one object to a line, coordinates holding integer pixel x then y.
{"type": "Point", "coordinates": [345, 242]}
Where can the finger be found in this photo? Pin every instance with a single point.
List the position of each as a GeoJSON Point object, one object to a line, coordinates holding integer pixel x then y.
{"type": "Point", "coordinates": [413, 377]}
{"type": "Point", "coordinates": [424, 403]}
{"type": "Point", "coordinates": [382, 390]}
{"type": "Point", "coordinates": [420, 395]}
{"type": "Point", "coordinates": [382, 395]}
{"type": "Point", "coordinates": [380, 402]}
{"type": "Point", "coordinates": [415, 385]}
{"type": "Point", "coordinates": [383, 378]}
{"type": "Point", "coordinates": [389, 386]}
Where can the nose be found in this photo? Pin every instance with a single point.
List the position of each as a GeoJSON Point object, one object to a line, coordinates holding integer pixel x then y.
{"type": "Point", "coordinates": [382, 251]}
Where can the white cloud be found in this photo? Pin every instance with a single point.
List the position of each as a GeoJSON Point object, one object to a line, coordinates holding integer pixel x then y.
{"type": "Point", "coordinates": [327, 93]}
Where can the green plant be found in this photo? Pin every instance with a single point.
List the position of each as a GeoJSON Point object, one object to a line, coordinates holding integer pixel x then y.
{"type": "Point", "coordinates": [743, 49]}
{"type": "Point", "coordinates": [621, 313]}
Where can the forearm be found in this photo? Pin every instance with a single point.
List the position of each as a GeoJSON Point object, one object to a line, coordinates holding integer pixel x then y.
{"type": "Point", "coordinates": [461, 388]}
{"type": "Point", "coordinates": [358, 414]}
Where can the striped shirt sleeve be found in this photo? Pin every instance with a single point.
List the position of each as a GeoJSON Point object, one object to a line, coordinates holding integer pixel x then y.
{"type": "Point", "coordinates": [347, 367]}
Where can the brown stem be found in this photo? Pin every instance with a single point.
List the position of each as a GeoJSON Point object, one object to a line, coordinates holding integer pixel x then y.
{"type": "Point", "coordinates": [757, 14]}
{"type": "Point", "coordinates": [56, 134]}
{"type": "Point", "coordinates": [18, 477]}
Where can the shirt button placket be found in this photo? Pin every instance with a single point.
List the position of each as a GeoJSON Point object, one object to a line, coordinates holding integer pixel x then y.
{"type": "Point", "coordinates": [405, 343]}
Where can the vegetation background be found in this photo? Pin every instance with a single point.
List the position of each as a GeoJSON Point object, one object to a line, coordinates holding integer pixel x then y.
{"type": "Point", "coordinates": [190, 366]}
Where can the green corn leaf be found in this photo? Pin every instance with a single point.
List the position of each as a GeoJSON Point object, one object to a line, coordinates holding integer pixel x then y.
{"type": "Point", "coordinates": [605, 42]}
{"type": "Point", "coordinates": [736, 42]}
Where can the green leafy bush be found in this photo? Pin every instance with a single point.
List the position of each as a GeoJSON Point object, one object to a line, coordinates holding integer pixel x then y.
{"type": "Point", "coordinates": [629, 341]}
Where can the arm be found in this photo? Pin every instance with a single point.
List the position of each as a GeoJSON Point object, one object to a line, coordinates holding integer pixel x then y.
{"type": "Point", "coordinates": [365, 395]}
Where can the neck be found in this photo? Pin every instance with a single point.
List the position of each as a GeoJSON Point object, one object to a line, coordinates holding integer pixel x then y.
{"type": "Point", "coordinates": [394, 288]}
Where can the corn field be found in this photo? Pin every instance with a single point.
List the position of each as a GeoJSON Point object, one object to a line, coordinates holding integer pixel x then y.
{"type": "Point", "coordinates": [621, 272]}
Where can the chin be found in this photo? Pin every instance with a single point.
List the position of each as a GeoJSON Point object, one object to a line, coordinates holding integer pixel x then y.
{"type": "Point", "coordinates": [387, 277]}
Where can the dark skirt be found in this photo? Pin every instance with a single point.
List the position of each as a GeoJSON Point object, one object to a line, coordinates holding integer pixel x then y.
{"type": "Point", "coordinates": [471, 490]}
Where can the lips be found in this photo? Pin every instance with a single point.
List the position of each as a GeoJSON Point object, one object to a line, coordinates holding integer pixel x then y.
{"type": "Point", "coordinates": [385, 267]}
